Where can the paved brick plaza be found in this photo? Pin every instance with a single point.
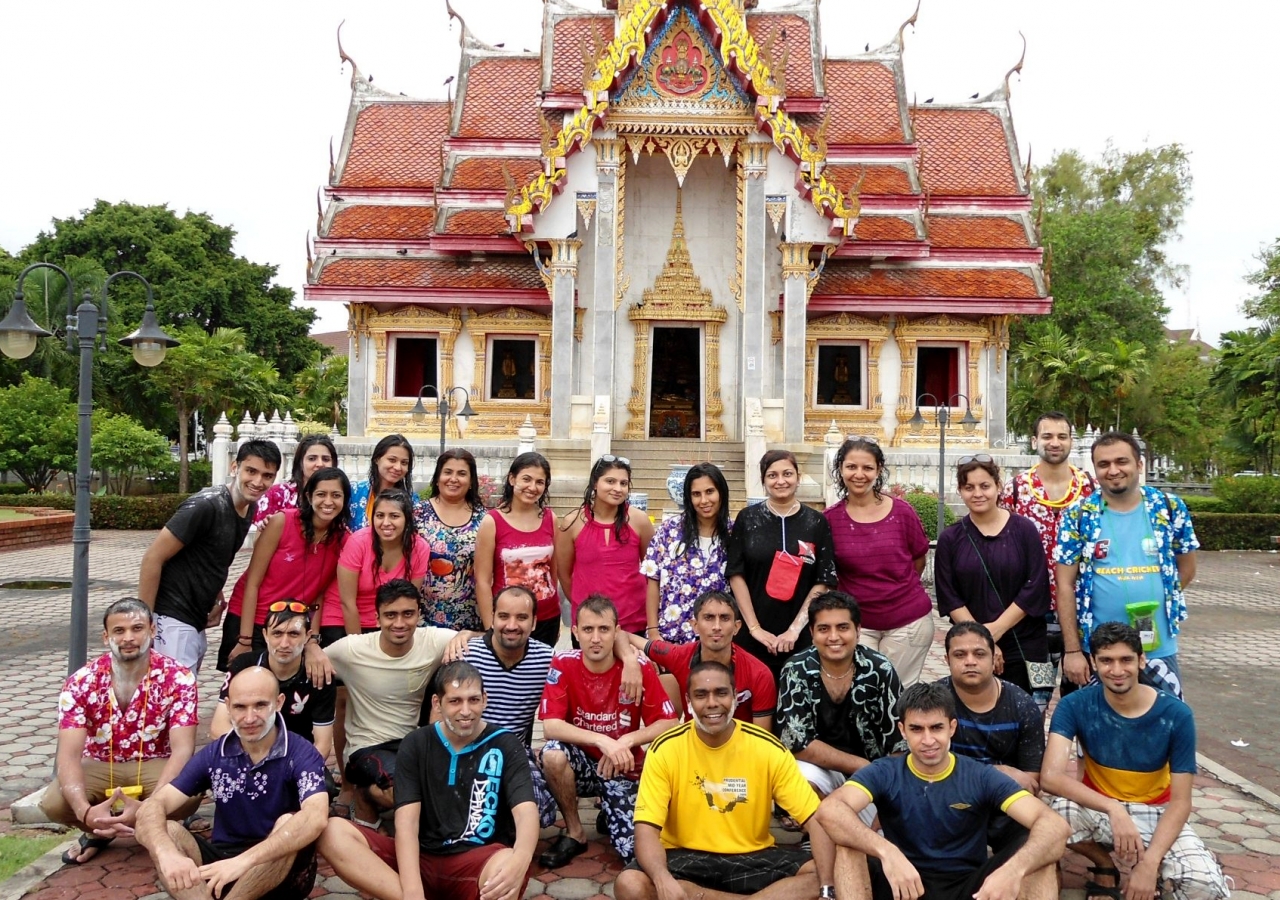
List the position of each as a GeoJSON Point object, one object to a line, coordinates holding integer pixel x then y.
{"type": "Point", "coordinates": [1230, 663]}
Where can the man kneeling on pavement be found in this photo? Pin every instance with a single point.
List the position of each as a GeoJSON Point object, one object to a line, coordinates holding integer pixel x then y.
{"type": "Point", "coordinates": [270, 801]}
{"type": "Point", "coordinates": [466, 820]}
{"type": "Point", "coordinates": [935, 807]}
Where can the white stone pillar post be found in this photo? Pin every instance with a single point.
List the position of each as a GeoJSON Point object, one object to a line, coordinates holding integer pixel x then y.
{"type": "Point", "coordinates": [795, 282]}
{"type": "Point", "coordinates": [833, 440]}
{"type": "Point", "coordinates": [753, 448]}
{"type": "Point", "coordinates": [756, 329]}
{"type": "Point", "coordinates": [611, 161]}
{"type": "Point", "coordinates": [527, 435]}
{"type": "Point", "coordinates": [564, 292]}
{"type": "Point", "coordinates": [601, 428]}
{"type": "Point", "coordinates": [220, 452]}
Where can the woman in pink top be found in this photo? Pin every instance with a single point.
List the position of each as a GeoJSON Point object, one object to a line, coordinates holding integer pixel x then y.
{"type": "Point", "coordinates": [516, 545]}
{"type": "Point", "coordinates": [387, 550]}
{"type": "Point", "coordinates": [294, 558]}
{"type": "Point", "coordinates": [601, 544]}
{"type": "Point", "coordinates": [880, 552]}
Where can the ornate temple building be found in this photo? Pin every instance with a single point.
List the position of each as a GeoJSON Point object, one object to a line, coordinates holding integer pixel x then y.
{"type": "Point", "coordinates": [689, 210]}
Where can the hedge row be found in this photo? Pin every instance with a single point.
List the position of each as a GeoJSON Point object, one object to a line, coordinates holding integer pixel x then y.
{"type": "Point", "coordinates": [111, 512]}
{"type": "Point", "coordinates": [12, 487]}
{"type": "Point", "coordinates": [1236, 531]}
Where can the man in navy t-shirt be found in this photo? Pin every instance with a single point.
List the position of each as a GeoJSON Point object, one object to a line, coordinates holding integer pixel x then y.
{"type": "Point", "coordinates": [268, 789]}
{"type": "Point", "coordinates": [464, 808]}
{"type": "Point", "coordinates": [934, 807]}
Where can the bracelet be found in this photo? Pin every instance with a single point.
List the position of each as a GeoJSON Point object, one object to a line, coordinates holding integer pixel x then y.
{"type": "Point", "coordinates": [1065, 652]}
{"type": "Point", "coordinates": [314, 639]}
{"type": "Point", "coordinates": [651, 628]}
{"type": "Point", "coordinates": [243, 641]}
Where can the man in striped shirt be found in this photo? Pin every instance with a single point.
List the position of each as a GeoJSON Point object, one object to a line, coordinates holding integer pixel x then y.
{"type": "Point", "coordinates": [514, 668]}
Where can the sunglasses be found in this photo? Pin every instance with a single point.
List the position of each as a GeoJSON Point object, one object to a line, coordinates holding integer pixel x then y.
{"type": "Point", "coordinates": [620, 460]}
{"type": "Point", "coordinates": [977, 457]}
{"type": "Point", "coordinates": [862, 438]}
{"type": "Point", "coordinates": [291, 605]}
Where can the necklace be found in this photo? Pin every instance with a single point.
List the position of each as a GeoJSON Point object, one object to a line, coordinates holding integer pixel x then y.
{"type": "Point", "coordinates": [835, 677]}
{"type": "Point", "coordinates": [795, 505]}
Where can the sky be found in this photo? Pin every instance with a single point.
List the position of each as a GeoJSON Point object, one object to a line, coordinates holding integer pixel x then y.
{"type": "Point", "coordinates": [229, 108]}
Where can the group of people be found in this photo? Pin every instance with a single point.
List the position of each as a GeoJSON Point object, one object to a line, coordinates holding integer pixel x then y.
{"type": "Point", "coordinates": [414, 639]}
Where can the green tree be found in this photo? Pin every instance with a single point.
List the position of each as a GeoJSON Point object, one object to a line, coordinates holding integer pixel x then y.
{"type": "Point", "coordinates": [213, 373]}
{"type": "Point", "coordinates": [37, 431]}
{"type": "Point", "coordinates": [321, 389]}
{"type": "Point", "coordinates": [196, 276]}
{"type": "Point", "coordinates": [124, 449]}
{"type": "Point", "coordinates": [1174, 410]}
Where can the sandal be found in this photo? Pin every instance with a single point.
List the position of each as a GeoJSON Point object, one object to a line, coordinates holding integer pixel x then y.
{"type": "Point", "coordinates": [72, 857]}
{"type": "Point", "coordinates": [1093, 889]}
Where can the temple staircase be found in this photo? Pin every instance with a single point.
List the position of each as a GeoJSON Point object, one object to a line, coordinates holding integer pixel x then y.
{"type": "Point", "coordinates": [651, 462]}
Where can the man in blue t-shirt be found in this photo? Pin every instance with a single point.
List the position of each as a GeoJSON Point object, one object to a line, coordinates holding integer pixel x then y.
{"type": "Point", "coordinates": [268, 790]}
{"type": "Point", "coordinates": [1139, 759]}
{"type": "Point", "coordinates": [934, 807]}
{"type": "Point", "coordinates": [1125, 553]}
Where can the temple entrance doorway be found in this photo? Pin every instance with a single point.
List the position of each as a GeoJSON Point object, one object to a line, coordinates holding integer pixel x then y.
{"type": "Point", "coordinates": [675, 383]}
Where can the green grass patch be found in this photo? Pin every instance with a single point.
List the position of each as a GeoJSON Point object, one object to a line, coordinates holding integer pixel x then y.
{"type": "Point", "coordinates": [13, 515]}
{"type": "Point", "coordinates": [18, 850]}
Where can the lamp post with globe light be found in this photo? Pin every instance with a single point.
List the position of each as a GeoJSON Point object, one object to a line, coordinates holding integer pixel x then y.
{"type": "Point", "coordinates": [444, 409]}
{"type": "Point", "coordinates": [942, 415]}
{"type": "Point", "coordinates": [86, 324]}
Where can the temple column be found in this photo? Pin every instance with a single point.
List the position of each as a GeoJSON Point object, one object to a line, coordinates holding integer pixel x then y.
{"type": "Point", "coordinates": [756, 329]}
{"type": "Point", "coordinates": [359, 384]}
{"type": "Point", "coordinates": [564, 290]}
{"type": "Point", "coordinates": [609, 171]}
{"type": "Point", "coordinates": [795, 298]}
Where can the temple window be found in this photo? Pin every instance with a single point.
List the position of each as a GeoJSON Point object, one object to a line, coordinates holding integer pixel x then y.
{"type": "Point", "coordinates": [938, 371]}
{"type": "Point", "coordinates": [840, 374]}
{"type": "Point", "coordinates": [513, 368]}
{"type": "Point", "coordinates": [414, 362]}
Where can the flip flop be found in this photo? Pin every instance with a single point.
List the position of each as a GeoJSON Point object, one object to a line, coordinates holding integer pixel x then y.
{"type": "Point", "coordinates": [86, 842]}
{"type": "Point", "coordinates": [1112, 892]}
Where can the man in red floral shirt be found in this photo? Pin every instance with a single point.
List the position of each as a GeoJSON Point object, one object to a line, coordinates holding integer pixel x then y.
{"type": "Point", "coordinates": [127, 726]}
{"type": "Point", "coordinates": [1041, 494]}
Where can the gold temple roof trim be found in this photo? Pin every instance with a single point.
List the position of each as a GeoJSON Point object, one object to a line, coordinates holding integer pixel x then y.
{"type": "Point", "coordinates": [738, 50]}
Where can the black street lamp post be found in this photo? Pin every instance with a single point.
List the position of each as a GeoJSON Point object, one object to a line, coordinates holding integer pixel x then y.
{"type": "Point", "coordinates": [85, 324]}
{"type": "Point", "coordinates": [942, 415]}
{"type": "Point", "coordinates": [443, 408]}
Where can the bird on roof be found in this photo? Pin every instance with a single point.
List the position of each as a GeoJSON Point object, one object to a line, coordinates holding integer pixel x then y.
{"type": "Point", "coordinates": [783, 33]}
{"type": "Point", "coordinates": [403, 252]}
{"type": "Point", "coordinates": [930, 100]}
{"type": "Point", "coordinates": [449, 80]}
{"type": "Point", "coordinates": [573, 235]}
{"type": "Point", "coordinates": [973, 96]}
{"type": "Point", "coordinates": [500, 46]}
{"type": "Point", "coordinates": [867, 48]}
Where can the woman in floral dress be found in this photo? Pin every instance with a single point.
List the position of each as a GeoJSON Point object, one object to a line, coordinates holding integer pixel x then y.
{"type": "Point", "coordinates": [686, 557]}
{"type": "Point", "coordinates": [449, 522]}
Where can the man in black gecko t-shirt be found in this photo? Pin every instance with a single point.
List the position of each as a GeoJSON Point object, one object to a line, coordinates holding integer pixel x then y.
{"type": "Point", "coordinates": [464, 806]}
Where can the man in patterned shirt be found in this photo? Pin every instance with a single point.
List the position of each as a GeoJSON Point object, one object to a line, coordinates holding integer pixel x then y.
{"type": "Point", "coordinates": [1041, 494]}
{"type": "Point", "coordinates": [1125, 554]}
{"type": "Point", "coordinates": [836, 699]}
{"type": "Point", "coordinates": [127, 727]}
{"type": "Point", "coordinates": [268, 790]}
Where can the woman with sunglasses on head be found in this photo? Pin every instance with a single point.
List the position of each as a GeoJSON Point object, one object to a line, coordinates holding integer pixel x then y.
{"type": "Point", "coordinates": [881, 550]}
{"type": "Point", "coordinates": [516, 544]}
{"type": "Point", "coordinates": [989, 568]}
{"type": "Point", "coordinates": [780, 558]}
{"type": "Point", "coordinates": [687, 556]}
{"type": "Point", "coordinates": [449, 522]}
{"type": "Point", "coordinates": [296, 556]}
{"type": "Point", "coordinates": [601, 544]}
{"type": "Point", "coordinates": [315, 451]}
{"type": "Point", "coordinates": [390, 468]}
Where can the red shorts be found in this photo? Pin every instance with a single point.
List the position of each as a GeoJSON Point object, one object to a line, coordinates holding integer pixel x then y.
{"type": "Point", "coordinates": [454, 876]}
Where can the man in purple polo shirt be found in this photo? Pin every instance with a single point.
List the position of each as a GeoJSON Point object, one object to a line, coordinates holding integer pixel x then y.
{"type": "Point", "coordinates": [268, 787]}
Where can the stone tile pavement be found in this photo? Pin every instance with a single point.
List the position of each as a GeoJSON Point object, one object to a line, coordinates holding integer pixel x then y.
{"type": "Point", "coordinates": [1242, 829]}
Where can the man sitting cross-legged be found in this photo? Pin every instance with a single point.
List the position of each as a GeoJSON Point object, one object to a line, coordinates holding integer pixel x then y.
{"type": "Point", "coordinates": [836, 699]}
{"type": "Point", "coordinates": [1139, 759]}
{"type": "Point", "coordinates": [270, 801]}
{"type": "Point", "coordinates": [702, 815]}
{"type": "Point", "coordinates": [934, 807]}
{"type": "Point", "coordinates": [997, 723]}
{"type": "Point", "coordinates": [716, 620]}
{"type": "Point", "coordinates": [127, 726]}
{"type": "Point", "coordinates": [466, 822]}
{"type": "Point", "coordinates": [594, 736]}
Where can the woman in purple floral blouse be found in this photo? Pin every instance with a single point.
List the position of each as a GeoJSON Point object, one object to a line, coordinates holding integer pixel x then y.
{"type": "Point", "coordinates": [687, 556]}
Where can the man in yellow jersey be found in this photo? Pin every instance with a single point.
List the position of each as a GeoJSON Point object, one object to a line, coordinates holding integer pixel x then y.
{"type": "Point", "coordinates": [706, 796]}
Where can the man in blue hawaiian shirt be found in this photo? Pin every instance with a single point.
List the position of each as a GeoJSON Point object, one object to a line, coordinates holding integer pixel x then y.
{"type": "Point", "coordinates": [1126, 554]}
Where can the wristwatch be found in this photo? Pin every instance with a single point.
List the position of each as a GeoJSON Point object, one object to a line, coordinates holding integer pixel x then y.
{"type": "Point", "coordinates": [827, 892]}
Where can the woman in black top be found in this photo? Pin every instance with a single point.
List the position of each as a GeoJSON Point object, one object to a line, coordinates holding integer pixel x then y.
{"type": "Point", "coordinates": [780, 558]}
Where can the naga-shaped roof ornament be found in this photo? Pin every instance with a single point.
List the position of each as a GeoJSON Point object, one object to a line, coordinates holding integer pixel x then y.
{"type": "Point", "coordinates": [1002, 92]}
{"type": "Point", "coordinates": [467, 40]}
{"type": "Point", "coordinates": [894, 47]}
{"type": "Point", "coordinates": [356, 77]}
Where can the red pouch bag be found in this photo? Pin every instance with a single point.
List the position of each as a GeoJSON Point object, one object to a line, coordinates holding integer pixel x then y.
{"type": "Point", "coordinates": [784, 575]}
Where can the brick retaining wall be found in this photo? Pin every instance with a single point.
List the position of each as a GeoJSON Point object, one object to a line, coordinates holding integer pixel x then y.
{"type": "Point", "coordinates": [47, 526]}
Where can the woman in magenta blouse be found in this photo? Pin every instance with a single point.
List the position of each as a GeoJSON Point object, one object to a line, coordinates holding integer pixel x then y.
{"type": "Point", "coordinates": [880, 552]}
